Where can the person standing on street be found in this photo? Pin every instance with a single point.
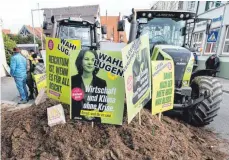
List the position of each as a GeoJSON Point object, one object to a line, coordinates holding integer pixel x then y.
{"type": "Point", "coordinates": [33, 57]}
{"type": "Point", "coordinates": [29, 69]}
{"type": "Point", "coordinates": [31, 52]}
{"type": "Point", "coordinates": [18, 72]}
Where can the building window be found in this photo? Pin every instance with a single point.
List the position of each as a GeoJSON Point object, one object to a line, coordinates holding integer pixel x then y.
{"type": "Point", "coordinates": [217, 3]}
{"type": "Point", "coordinates": [212, 4]}
{"type": "Point", "coordinates": [226, 42]}
{"type": "Point", "coordinates": [198, 37]}
{"type": "Point", "coordinates": [201, 37]}
{"type": "Point", "coordinates": [191, 5]}
{"type": "Point", "coordinates": [198, 40]}
{"type": "Point", "coordinates": [211, 47]}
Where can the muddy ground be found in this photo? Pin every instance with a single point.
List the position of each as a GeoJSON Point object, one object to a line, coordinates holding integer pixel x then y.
{"type": "Point", "coordinates": [26, 135]}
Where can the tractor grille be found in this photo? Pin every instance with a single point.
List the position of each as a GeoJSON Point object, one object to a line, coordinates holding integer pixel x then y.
{"type": "Point", "coordinates": [179, 73]}
{"type": "Point", "coordinates": [181, 58]}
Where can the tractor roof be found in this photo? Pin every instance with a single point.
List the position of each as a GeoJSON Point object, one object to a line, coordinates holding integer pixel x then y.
{"type": "Point", "coordinates": [147, 13]}
{"type": "Point", "coordinates": [72, 20]}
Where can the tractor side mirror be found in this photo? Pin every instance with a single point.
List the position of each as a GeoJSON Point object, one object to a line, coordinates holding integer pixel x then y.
{"type": "Point", "coordinates": [104, 29]}
{"type": "Point", "coordinates": [52, 19]}
{"type": "Point", "coordinates": [121, 25]}
{"type": "Point", "coordinates": [45, 25]}
{"type": "Point", "coordinates": [183, 31]}
{"type": "Point", "coordinates": [208, 27]}
{"type": "Point", "coordinates": [97, 24]}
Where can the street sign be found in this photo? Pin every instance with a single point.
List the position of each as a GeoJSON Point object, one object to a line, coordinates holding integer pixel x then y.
{"type": "Point", "coordinates": [212, 36]}
{"type": "Point", "coordinates": [220, 18]}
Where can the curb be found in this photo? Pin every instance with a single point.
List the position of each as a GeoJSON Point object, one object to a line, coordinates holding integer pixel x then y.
{"type": "Point", "coordinates": [9, 102]}
{"type": "Point", "coordinates": [15, 104]}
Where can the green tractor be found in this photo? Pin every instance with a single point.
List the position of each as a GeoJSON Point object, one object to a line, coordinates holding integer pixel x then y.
{"type": "Point", "coordinates": [197, 93]}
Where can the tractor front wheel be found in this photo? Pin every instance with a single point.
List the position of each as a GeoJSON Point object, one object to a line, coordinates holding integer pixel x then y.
{"type": "Point", "coordinates": [204, 112]}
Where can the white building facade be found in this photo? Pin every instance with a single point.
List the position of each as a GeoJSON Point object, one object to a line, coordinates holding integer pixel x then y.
{"type": "Point", "coordinates": [175, 5]}
{"type": "Point", "coordinates": [220, 25]}
{"type": "Point", "coordinates": [219, 13]}
{"type": "Point", "coordinates": [2, 53]}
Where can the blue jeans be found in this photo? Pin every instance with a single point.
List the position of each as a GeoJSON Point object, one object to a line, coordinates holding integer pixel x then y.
{"type": "Point", "coordinates": [21, 86]}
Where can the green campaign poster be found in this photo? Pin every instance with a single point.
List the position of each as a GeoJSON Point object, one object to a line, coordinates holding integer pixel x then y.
{"type": "Point", "coordinates": [97, 86]}
{"type": "Point", "coordinates": [137, 75]}
{"type": "Point", "coordinates": [57, 67]}
{"type": "Point", "coordinates": [163, 86]}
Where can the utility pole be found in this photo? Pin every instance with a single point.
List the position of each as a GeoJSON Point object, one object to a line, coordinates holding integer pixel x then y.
{"type": "Point", "coordinates": [41, 27]}
{"type": "Point", "coordinates": [34, 40]}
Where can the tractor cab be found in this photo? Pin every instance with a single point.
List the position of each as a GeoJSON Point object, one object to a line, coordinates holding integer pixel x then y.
{"type": "Point", "coordinates": [170, 38]}
{"type": "Point", "coordinates": [78, 29]}
{"type": "Point", "coordinates": [163, 27]}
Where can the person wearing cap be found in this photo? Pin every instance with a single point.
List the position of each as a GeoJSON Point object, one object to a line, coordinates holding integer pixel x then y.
{"type": "Point", "coordinates": [33, 57]}
{"type": "Point", "coordinates": [31, 52]}
{"type": "Point", "coordinates": [18, 72]}
{"type": "Point", "coordinates": [39, 56]}
{"type": "Point", "coordinates": [29, 69]}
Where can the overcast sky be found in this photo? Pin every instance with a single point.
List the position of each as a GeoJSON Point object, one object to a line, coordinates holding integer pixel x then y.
{"type": "Point", "coordinates": [16, 13]}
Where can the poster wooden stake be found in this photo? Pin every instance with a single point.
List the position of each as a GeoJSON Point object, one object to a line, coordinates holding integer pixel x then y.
{"type": "Point", "coordinates": [139, 117]}
{"type": "Point", "coordinates": [92, 124]}
{"type": "Point", "coordinates": [160, 116]}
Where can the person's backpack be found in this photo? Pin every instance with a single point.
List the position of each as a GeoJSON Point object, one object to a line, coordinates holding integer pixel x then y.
{"type": "Point", "coordinates": [212, 62]}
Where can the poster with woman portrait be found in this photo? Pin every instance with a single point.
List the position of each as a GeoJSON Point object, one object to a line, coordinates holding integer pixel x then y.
{"type": "Point", "coordinates": [97, 86]}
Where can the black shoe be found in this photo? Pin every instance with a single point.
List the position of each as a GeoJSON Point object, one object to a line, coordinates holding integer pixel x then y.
{"type": "Point", "coordinates": [30, 97]}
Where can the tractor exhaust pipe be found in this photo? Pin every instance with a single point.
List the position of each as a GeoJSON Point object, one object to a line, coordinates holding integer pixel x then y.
{"type": "Point", "coordinates": [133, 27]}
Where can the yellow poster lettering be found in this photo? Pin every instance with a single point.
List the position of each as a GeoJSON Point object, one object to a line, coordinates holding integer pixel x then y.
{"type": "Point", "coordinates": [40, 80]}
{"type": "Point", "coordinates": [96, 114]}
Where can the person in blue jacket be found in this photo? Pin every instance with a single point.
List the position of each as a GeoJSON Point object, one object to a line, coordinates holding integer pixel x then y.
{"type": "Point", "coordinates": [18, 72]}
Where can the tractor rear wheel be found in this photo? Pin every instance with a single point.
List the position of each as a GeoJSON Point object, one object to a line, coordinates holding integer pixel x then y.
{"type": "Point", "coordinates": [204, 112]}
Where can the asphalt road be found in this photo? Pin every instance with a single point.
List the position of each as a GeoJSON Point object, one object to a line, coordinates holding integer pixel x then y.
{"type": "Point", "coordinates": [220, 125]}
{"type": "Point", "coordinates": [9, 92]}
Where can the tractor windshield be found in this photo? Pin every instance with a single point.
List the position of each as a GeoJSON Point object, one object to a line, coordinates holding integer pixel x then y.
{"type": "Point", "coordinates": [76, 32]}
{"type": "Point", "coordinates": [163, 31]}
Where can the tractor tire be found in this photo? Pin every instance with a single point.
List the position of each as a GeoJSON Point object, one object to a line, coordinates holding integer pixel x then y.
{"type": "Point", "coordinates": [205, 111]}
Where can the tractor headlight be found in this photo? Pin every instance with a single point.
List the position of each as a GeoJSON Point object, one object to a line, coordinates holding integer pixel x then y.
{"type": "Point", "coordinates": [143, 14]}
{"type": "Point", "coordinates": [187, 15]}
{"type": "Point", "coordinates": [149, 15]}
{"type": "Point", "coordinates": [182, 16]}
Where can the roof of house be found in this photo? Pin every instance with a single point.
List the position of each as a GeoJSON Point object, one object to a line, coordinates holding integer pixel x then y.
{"type": "Point", "coordinates": [112, 23]}
{"type": "Point", "coordinates": [86, 12]}
{"type": "Point", "coordinates": [37, 30]}
{"type": "Point", "coordinates": [6, 31]}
